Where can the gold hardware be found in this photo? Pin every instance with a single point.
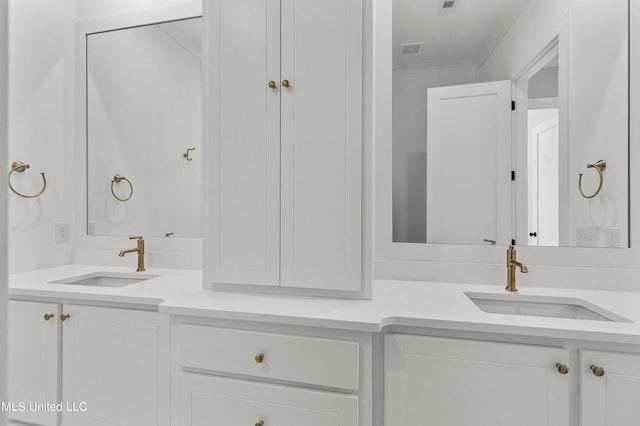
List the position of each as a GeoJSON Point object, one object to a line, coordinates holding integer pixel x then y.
{"type": "Point", "coordinates": [597, 370]}
{"type": "Point", "coordinates": [139, 249]}
{"type": "Point", "coordinates": [272, 84]}
{"type": "Point", "coordinates": [492, 242]}
{"type": "Point", "coordinates": [47, 317]}
{"type": "Point", "coordinates": [259, 358]}
{"type": "Point", "coordinates": [285, 83]}
{"type": "Point", "coordinates": [562, 368]}
{"type": "Point", "coordinates": [186, 153]}
{"type": "Point", "coordinates": [260, 423]}
{"type": "Point", "coordinates": [118, 179]}
{"type": "Point", "coordinates": [511, 269]}
{"type": "Point", "coordinates": [600, 166]}
{"type": "Point", "coordinates": [21, 166]}
{"type": "Point", "coordinates": [64, 317]}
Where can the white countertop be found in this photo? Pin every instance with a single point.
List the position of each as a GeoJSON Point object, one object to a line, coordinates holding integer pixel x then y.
{"type": "Point", "coordinates": [395, 303]}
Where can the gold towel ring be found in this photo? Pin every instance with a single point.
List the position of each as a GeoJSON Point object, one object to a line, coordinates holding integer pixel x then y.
{"type": "Point", "coordinates": [118, 179]}
{"type": "Point", "coordinates": [21, 166]}
{"type": "Point", "coordinates": [599, 165]}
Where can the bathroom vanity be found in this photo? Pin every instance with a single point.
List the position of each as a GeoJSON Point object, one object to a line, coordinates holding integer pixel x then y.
{"type": "Point", "coordinates": [415, 351]}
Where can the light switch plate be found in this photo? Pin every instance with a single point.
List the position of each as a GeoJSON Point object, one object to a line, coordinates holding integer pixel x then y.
{"type": "Point", "coordinates": [586, 236]}
{"type": "Point", "coordinates": [62, 230]}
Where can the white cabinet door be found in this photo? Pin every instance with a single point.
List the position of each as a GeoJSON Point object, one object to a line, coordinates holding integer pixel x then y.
{"type": "Point", "coordinates": [610, 399]}
{"type": "Point", "coordinates": [206, 401]}
{"type": "Point", "coordinates": [33, 361]}
{"type": "Point", "coordinates": [322, 144]}
{"type": "Point", "coordinates": [459, 382]}
{"type": "Point", "coordinates": [243, 150]}
{"type": "Point", "coordinates": [116, 361]}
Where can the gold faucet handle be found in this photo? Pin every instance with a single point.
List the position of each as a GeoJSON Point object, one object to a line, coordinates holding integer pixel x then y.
{"type": "Point", "coordinates": [135, 238]}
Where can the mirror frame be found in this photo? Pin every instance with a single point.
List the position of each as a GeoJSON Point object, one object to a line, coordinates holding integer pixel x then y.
{"type": "Point", "coordinates": [549, 266]}
{"type": "Point", "coordinates": [184, 252]}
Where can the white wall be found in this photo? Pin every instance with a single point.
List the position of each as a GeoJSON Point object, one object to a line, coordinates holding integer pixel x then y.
{"type": "Point", "coordinates": [4, 56]}
{"type": "Point", "coordinates": [41, 64]}
{"type": "Point", "coordinates": [410, 145]}
{"type": "Point", "coordinates": [597, 98]}
{"type": "Point", "coordinates": [93, 9]}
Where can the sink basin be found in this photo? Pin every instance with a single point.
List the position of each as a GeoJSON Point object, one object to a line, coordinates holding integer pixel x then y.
{"type": "Point", "coordinates": [105, 279]}
{"type": "Point", "coordinates": [542, 306]}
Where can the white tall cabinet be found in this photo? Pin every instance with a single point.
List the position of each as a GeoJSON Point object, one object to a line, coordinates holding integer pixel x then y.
{"type": "Point", "coordinates": [284, 129]}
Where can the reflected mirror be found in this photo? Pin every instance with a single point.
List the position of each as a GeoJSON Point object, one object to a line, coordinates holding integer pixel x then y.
{"type": "Point", "coordinates": [510, 122]}
{"type": "Point", "coordinates": [144, 151]}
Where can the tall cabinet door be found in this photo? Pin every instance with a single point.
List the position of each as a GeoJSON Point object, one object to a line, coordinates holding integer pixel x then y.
{"type": "Point", "coordinates": [34, 359]}
{"type": "Point", "coordinates": [609, 395]}
{"type": "Point", "coordinates": [321, 144]}
{"type": "Point", "coordinates": [243, 128]}
{"type": "Point", "coordinates": [116, 361]}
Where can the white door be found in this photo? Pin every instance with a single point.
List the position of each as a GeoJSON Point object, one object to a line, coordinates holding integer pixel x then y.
{"type": "Point", "coordinates": [116, 361]}
{"type": "Point", "coordinates": [322, 144]}
{"type": "Point", "coordinates": [469, 163]}
{"type": "Point", "coordinates": [543, 180]}
{"type": "Point", "coordinates": [33, 361]}
{"type": "Point", "coordinates": [448, 382]}
{"type": "Point", "coordinates": [243, 180]}
{"type": "Point", "coordinates": [609, 399]}
{"type": "Point", "coordinates": [209, 400]}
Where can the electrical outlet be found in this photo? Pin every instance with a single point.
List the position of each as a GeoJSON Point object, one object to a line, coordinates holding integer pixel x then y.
{"type": "Point", "coordinates": [62, 232]}
{"type": "Point", "coordinates": [91, 227]}
{"type": "Point", "coordinates": [613, 237]}
{"type": "Point", "coordinates": [586, 236]}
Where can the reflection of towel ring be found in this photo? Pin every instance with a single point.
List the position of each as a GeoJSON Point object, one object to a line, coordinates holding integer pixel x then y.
{"type": "Point", "coordinates": [599, 165]}
{"type": "Point", "coordinates": [118, 179]}
{"type": "Point", "coordinates": [21, 166]}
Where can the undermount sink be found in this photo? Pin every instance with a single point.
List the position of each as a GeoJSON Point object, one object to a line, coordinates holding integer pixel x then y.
{"type": "Point", "coordinates": [105, 279]}
{"type": "Point", "coordinates": [542, 306]}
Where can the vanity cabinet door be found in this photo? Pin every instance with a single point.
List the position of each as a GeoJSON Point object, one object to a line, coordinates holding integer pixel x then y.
{"type": "Point", "coordinates": [610, 389]}
{"type": "Point", "coordinates": [219, 401]}
{"type": "Point", "coordinates": [33, 361]}
{"type": "Point", "coordinates": [322, 46]}
{"type": "Point", "coordinates": [453, 382]}
{"type": "Point", "coordinates": [115, 367]}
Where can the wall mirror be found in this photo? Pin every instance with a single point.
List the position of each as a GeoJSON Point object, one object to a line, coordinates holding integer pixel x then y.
{"type": "Point", "coordinates": [143, 130]}
{"type": "Point", "coordinates": [510, 122]}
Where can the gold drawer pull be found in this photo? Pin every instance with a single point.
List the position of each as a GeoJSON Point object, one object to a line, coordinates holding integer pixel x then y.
{"type": "Point", "coordinates": [272, 84]}
{"type": "Point", "coordinates": [260, 423]}
{"type": "Point", "coordinates": [597, 370]}
{"type": "Point", "coordinates": [285, 83]}
{"type": "Point", "coordinates": [64, 317]}
{"type": "Point", "coordinates": [259, 358]}
{"type": "Point", "coordinates": [562, 368]}
{"type": "Point", "coordinates": [47, 317]}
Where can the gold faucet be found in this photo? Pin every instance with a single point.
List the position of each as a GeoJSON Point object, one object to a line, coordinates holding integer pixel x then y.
{"type": "Point", "coordinates": [139, 249]}
{"type": "Point", "coordinates": [511, 269]}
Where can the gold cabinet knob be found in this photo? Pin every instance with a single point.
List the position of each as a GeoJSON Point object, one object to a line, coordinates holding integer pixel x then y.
{"type": "Point", "coordinates": [47, 317]}
{"type": "Point", "coordinates": [285, 83]}
{"type": "Point", "coordinates": [64, 317]}
{"type": "Point", "coordinates": [260, 423]}
{"type": "Point", "coordinates": [562, 368]}
{"type": "Point", "coordinates": [597, 370]}
{"type": "Point", "coordinates": [259, 358]}
{"type": "Point", "coordinates": [271, 84]}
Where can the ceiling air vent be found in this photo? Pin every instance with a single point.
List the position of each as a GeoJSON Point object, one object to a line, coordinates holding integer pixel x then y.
{"type": "Point", "coordinates": [411, 48]}
{"type": "Point", "coordinates": [448, 4]}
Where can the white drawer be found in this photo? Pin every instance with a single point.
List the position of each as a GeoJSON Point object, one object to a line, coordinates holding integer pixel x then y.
{"type": "Point", "coordinates": [208, 400]}
{"type": "Point", "coordinates": [316, 361]}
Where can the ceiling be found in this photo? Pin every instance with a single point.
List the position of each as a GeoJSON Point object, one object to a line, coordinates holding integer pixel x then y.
{"type": "Point", "coordinates": [463, 35]}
